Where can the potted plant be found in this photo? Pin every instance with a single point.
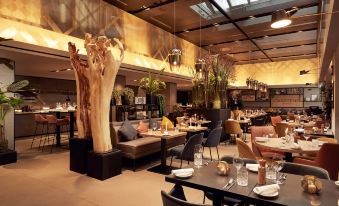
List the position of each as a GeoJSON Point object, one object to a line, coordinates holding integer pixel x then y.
{"type": "Point", "coordinates": [6, 103]}
{"type": "Point", "coordinates": [129, 94]}
{"type": "Point", "coordinates": [161, 100]}
{"type": "Point", "coordinates": [117, 96]}
{"type": "Point", "coordinates": [151, 86]}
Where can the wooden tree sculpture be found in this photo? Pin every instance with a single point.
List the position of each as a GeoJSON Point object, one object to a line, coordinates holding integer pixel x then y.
{"type": "Point", "coordinates": [98, 77]}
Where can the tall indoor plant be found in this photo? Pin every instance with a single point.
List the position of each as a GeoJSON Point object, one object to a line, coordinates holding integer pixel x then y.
{"type": "Point", "coordinates": [151, 86]}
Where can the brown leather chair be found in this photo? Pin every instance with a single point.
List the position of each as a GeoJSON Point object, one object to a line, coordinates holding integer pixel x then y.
{"type": "Point", "coordinates": [280, 129]}
{"type": "Point", "coordinates": [39, 121]}
{"type": "Point", "coordinates": [232, 127]}
{"type": "Point", "coordinates": [275, 120]}
{"type": "Point", "coordinates": [260, 131]}
{"type": "Point", "coordinates": [244, 150]}
{"type": "Point", "coordinates": [327, 159]}
{"type": "Point", "coordinates": [290, 115]}
{"type": "Point", "coordinates": [52, 123]}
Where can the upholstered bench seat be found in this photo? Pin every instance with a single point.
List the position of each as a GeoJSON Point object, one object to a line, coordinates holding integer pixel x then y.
{"type": "Point", "coordinates": [140, 147]}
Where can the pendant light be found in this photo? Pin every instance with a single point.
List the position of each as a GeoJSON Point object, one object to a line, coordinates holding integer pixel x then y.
{"type": "Point", "coordinates": [200, 64]}
{"type": "Point", "coordinates": [174, 57]}
{"type": "Point", "coordinates": [281, 18]}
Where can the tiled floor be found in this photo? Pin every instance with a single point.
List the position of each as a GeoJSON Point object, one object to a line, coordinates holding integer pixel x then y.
{"type": "Point", "coordinates": [44, 178]}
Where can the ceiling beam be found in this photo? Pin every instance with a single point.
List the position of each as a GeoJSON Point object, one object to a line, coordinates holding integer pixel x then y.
{"type": "Point", "coordinates": [216, 5]}
{"type": "Point", "coordinates": [275, 48]}
{"type": "Point", "coordinates": [259, 37]}
{"type": "Point", "coordinates": [244, 18]}
{"type": "Point", "coordinates": [156, 5]}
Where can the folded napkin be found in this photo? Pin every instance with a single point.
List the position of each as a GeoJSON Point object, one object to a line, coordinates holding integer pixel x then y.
{"type": "Point", "coordinates": [182, 171]}
{"type": "Point", "coordinates": [261, 139]}
{"type": "Point", "coordinates": [253, 167]}
{"type": "Point", "coordinates": [300, 130]}
{"type": "Point", "coordinates": [296, 146]}
{"type": "Point", "coordinates": [267, 190]}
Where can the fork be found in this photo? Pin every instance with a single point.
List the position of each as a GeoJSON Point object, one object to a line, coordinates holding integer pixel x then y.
{"type": "Point", "coordinates": [228, 183]}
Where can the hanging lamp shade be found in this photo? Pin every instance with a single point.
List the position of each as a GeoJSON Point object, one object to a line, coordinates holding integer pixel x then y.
{"type": "Point", "coordinates": [280, 18]}
{"type": "Point", "coordinates": [174, 57]}
{"type": "Point", "coordinates": [200, 66]}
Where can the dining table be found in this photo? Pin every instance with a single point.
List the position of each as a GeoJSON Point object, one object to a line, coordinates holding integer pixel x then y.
{"type": "Point", "coordinates": [281, 145]}
{"type": "Point", "coordinates": [171, 135]}
{"type": "Point", "coordinates": [291, 193]}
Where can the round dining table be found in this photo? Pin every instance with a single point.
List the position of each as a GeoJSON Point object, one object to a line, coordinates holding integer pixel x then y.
{"type": "Point", "coordinates": [280, 145]}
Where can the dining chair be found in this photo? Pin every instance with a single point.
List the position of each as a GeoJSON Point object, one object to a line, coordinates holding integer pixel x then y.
{"type": "Point", "coordinates": [290, 115]}
{"type": "Point", "coordinates": [52, 123]}
{"type": "Point", "coordinates": [215, 125]}
{"type": "Point", "coordinates": [42, 122]}
{"type": "Point", "coordinates": [232, 128]}
{"type": "Point", "coordinates": [228, 200]}
{"type": "Point", "coordinates": [275, 120]}
{"type": "Point", "coordinates": [176, 197]}
{"type": "Point", "coordinates": [328, 140]}
{"type": "Point", "coordinates": [213, 140]}
{"type": "Point", "coordinates": [259, 121]}
{"type": "Point", "coordinates": [261, 131]}
{"type": "Point", "coordinates": [300, 169]}
{"type": "Point", "coordinates": [186, 152]}
{"type": "Point", "coordinates": [280, 129]}
{"type": "Point", "coordinates": [244, 150]}
{"type": "Point", "coordinates": [327, 158]}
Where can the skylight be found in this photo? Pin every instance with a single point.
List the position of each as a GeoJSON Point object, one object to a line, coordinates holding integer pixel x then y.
{"type": "Point", "coordinates": [238, 2]}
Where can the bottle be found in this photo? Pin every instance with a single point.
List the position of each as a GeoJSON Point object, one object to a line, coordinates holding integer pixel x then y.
{"type": "Point", "coordinates": [262, 172]}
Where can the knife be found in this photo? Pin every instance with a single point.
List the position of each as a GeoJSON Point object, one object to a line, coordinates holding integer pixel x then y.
{"type": "Point", "coordinates": [231, 185]}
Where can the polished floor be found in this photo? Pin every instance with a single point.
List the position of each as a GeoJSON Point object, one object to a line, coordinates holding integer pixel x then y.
{"type": "Point", "coordinates": [44, 178]}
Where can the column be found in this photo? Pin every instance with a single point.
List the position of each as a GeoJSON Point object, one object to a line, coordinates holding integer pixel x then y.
{"type": "Point", "coordinates": [171, 96]}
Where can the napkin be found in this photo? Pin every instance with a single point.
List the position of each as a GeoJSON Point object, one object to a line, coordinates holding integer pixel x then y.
{"type": "Point", "coordinates": [253, 167]}
{"type": "Point", "coordinates": [267, 190]}
{"type": "Point", "coordinates": [300, 130]}
{"type": "Point", "coordinates": [179, 172]}
{"type": "Point", "coordinates": [296, 146]}
{"type": "Point", "coordinates": [261, 139]}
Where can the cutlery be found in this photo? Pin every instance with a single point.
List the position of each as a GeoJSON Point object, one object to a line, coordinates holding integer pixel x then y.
{"type": "Point", "coordinates": [229, 182]}
{"type": "Point", "coordinates": [231, 185]}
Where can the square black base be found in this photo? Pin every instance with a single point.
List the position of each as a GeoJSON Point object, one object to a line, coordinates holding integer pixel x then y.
{"type": "Point", "coordinates": [160, 169]}
{"type": "Point", "coordinates": [102, 166]}
{"type": "Point", "coordinates": [7, 157]}
{"type": "Point", "coordinates": [79, 148]}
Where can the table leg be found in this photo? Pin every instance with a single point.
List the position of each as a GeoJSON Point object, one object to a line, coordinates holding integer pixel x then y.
{"type": "Point", "coordinates": [163, 152]}
{"type": "Point", "coordinates": [217, 200]}
{"type": "Point", "coordinates": [58, 132]}
{"type": "Point", "coordinates": [71, 124]}
{"type": "Point", "coordinates": [288, 157]}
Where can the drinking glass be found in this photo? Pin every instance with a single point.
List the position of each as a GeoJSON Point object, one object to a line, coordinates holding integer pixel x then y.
{"type": "Point", "coordinates": [198, 155]}
{"type": "Point", "coordinates": [238, 162]}
{"type": "Point", "coordinates": [242, 176]}
{"type": "Point", "coordinates": [327, 126]}
{"type": "Point", "coordinates": [176, 129]}
{"type": "Point", "coordinates": [278, 164]}
{"type": "Point", "coordinates": [306, 137]}
{"type": "Point", "coordinates": [271, 135]}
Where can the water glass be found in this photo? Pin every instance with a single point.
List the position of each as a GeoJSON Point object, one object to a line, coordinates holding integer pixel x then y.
{"type": "Point", "coordinates": [270, 173]}
{"type": "Point", "coordinates": [238, 162]}
{"type": "Point", "coordinates": [278, 164]}
{"type": "Point", "coordinates": [176, 129]}
{"type": "Point", "coordinates": [242, 177]}
{"type": "Point", "coordinates": [198, 156]}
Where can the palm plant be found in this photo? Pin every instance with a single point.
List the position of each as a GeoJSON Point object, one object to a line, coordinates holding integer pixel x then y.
{"type": "Point", "coordinates": [151, 85]}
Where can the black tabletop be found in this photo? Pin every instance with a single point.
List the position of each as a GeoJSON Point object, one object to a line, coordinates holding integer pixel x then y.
{"type": "Point", "coordinates": [291, 192]}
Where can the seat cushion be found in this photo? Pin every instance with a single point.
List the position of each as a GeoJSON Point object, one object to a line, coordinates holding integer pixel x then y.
{"type": "Point", "coordinates": [140, 147]}
{"type": "Point", "coordinates": [177, 151]}
{"type": "Point", "coordinates": [142, 127]}
{"type": "Point", "coordinates": [128, 132]}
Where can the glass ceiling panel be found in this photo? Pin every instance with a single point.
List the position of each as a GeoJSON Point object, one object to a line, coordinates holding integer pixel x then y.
{"type": "Point", "coordinates": [238, 2]}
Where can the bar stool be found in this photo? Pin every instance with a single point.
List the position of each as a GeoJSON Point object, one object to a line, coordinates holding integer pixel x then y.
{"type": "Point", "coordinates": [53, 122]}
{"type": "Point", "coordinates": [39, 121]}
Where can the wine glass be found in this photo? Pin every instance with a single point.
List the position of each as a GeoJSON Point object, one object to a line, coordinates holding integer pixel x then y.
{"type": "Point", "coordinates": [306, 137]}
{"type": "Point", "coordinates": [238, 162]}
{"type": "Point", "coordinates": [278, 164]}
{"type": "Point", "coordinates": [271, 135]}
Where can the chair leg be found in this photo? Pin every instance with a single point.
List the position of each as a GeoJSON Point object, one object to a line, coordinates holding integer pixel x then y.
{"type": "Point", "coordinates": [47, 137]}
{"type": "Point", "coordinates": [36, 127]}
{"type": "Point", "coordinates": [210, 152]}
{"type": "Point", "coordinates": [217, 152]}
{"type": "Point", "coordinates": [203, 149]}
{"type": "Point", "coordinates": [171, 161]}
{"type": "Point", "coordinates": [180, 162]}
{"type": "Point", "coordinates": [203, 202]}
{"type": "Point", "coordinates": [188, 162]}
{"type": "Point", "coordinates": [42, 134]}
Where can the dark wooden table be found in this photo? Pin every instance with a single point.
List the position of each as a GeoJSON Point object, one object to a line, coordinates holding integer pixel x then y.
{"type": "Point", "coordinates": [291, 192]}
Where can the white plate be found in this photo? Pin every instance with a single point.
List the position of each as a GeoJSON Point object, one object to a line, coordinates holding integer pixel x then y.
{"type": "Point", "coordinates": [253, 169]}
{"type": "Point", "coordinates": [336, 183]}
{"type": "Point", "coordinates": [268, 196]}
{"type": "Point", "coordinates": [184, 175]}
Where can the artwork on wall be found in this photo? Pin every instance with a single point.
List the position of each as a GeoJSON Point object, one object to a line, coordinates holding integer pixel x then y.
{"type": "Point", "coordinates": [140, 100]}
{"type": "Point", "coordinates": [262, 96]}
{"type": "Point", "coordinates": [287, 101]}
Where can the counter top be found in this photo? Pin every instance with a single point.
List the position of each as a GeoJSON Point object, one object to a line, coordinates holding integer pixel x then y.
{"type": "Point", "coordinates": [44, 111]}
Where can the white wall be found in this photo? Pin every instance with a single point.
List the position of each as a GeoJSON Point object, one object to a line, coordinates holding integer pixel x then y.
{"type": "Point", "coordinates": [6, 78]}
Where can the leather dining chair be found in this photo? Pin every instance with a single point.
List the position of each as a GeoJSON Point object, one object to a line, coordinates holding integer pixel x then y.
{"type": "Point", "coordinates": [213, 140]}
{"type": "Point", "coordinates": [261, 131]}
{"type": "Point", "coordinates": [275, 120]}
{"type": "Point", "coordinates": [290, 116]}
{"type": "Point", "coordinates": [300, 169]}
{"type": "Point", "coordinates": [186, 152]}
{"type": "Point", "coordinates": [232, 127]}
{"type": "Point", "coordinates": [327, 158]}
{"type": "Point", "coordinates": [39, 121]}
{"type": "Point", "coordinates": [280, 129]}
{"type": "Point", "coordinates": [244, 150]}
{"type": "Point", "coordinates": [176, 197]}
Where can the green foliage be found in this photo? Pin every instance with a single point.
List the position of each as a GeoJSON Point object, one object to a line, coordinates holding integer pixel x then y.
{"type": "Point", "coordinates": [178, 110]}
{"type": "Point", "coordinates": [151, 85]}
{"type": "Point", "coordinates": [6, 103]}
{"type": "Point", "coordinates": [129, 93]}
{"type": "Point", "coordinates": [161, 99]}
{"type": "Point", "coordinates": [117, 95]}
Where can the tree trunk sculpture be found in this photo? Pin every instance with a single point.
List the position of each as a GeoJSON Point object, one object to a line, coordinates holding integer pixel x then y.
{"type": "Point", "coordinates": [100, 73]}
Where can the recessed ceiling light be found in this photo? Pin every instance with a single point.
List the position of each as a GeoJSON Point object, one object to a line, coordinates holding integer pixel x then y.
{"type": "Point", "coordinates": [210, 45]}
{"type": "Point", "coordinates": [300, 31]}
{"type": "Point", "coordinates": [135, 80]}
{"type": "Point", "coordinates": [302, 45]}
{"type": "Point", "coordinates": [252, 17]}
{"type": "Point", "coordinates": [186, 30]}
{"type": "Point", "coordinates": [266, 36]}
{"type": "Point", "coordinates": [274, 48]}
{"type": "Point", "coordinates": [69, 69]}
{"type": "Point", "coordinates": [57, 70]}
{"type": "Point", "coordinates": [216, 24]}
